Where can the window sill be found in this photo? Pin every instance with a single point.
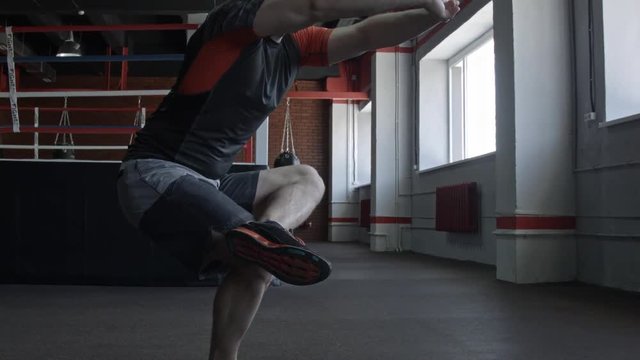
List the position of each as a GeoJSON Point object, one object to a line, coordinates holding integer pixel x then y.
{"type": "Point", "coordinates": [625, 120]}
{"type": "Point", "coordinates": [457, 163]}
{"type": "Point", "coordinates": [360, 186]}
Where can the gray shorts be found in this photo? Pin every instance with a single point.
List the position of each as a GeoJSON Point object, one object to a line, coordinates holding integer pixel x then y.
{"type": "Point", "coordinates": [178, 208]}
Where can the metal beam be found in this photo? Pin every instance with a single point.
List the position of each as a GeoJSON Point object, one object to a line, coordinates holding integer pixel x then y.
{"type": "Point", "coordinates": [116, 40]}
{"type": "Point", "coordinates": [100, 28]}
{"type": "Point", "coordinates": [318, 73]}
{"type": "Point", "coordinates": [85, 130]}
{"type": "Point", "coordinates": [108, 6]}
{"type": "Point", "coordinates": [80, 93]}
{"type": "Point", "coordinates": [304, 95]}
{"type": "Point", "coordinates": [95, 58]}
{"type": "Point", "coordinates": [42, 70]}
{"type": "Point", "coordinates": [51, 20]}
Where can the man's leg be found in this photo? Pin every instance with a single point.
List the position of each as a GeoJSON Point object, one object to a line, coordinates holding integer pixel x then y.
{"type": "Point", "coordinates": [286, 195]}
{"type": "Point", "coordinates": [285, 198]}
{"type": "Point", "coordinates": [236, 303]}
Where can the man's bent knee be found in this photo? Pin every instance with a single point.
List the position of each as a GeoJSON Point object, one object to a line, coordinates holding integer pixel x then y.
{"type": "Point", "coordinates": [251, 271]}
{"type": "Point", "coordinates": [279, 178]}
{"type": "Point", "coordinates": [309, 176]}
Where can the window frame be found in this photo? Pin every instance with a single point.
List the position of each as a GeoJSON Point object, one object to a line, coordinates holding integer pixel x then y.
{"type": "Point", "coordinates": [433, 51]}
{"type": "Point", "coordinates": [458, 144]}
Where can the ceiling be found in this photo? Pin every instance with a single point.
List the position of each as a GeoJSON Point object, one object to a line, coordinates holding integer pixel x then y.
{"type": "Point", "coordinates": [110, 12]}
{"type": "Point", "coordinates": [121, 7]}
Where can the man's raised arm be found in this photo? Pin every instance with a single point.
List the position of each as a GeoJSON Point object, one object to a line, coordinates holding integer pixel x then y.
{"type": "Point", "coordinates": [379, 31]}
{"type": "Point", "coordinates": [277, 17]}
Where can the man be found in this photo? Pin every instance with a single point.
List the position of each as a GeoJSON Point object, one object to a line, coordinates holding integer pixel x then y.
{"type": "Point", "coordinates": [239, 65]}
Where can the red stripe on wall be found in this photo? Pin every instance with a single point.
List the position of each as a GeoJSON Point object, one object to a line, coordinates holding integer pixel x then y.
{"type": "Point", "coordinates": [344, 220]}
{"type": "Point", "coordinates": [536, 223]}
{"type": "Point", "coordinates": [390, 220]}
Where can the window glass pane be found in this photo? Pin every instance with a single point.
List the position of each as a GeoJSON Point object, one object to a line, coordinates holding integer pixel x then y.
{"type": "Point", "coordinates": [363, 164]}
{"type": "Point", "coordinates": [621, 50]}
{"type": "Point", "coordinates": [480, 102]}
{"type": "Point", "coordinates": [457, 111]}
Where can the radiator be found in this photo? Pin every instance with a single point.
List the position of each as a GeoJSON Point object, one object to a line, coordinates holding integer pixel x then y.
{"type": "Point", "coordinates": [457, 208]}
{"type": "Point", "coordinates": [365, 213]}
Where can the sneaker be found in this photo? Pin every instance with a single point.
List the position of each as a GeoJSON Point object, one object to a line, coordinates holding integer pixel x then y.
{"type": "Point", "coordinates": [275, 249]}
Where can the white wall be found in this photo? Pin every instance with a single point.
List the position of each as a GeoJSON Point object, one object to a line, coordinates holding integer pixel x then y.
{"type": "Point", "coordinates": [505, 109]}
{"type": "Point", "coordinates": [392, 164]}
{"type": "Point", "coordinates": [543, 108]}
{"type": "Point", "coordinates": [363, 146]}
{"type": "Point", "coordinates": [343, 197]}
{"type": "Point", "coordinates": [434, 113]}
{"type": "Point", "coordinates": [535, 182]}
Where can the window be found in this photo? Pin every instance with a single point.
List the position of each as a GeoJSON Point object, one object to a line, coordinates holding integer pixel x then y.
{"type": "Point", "coordinates": [362, 138]}
{"type": "Point", "coordinates": [621, 70]}
{"type": "Point", "coordinates": [472, 100]}
{"type": "Point", "coordinates": [456, 89]}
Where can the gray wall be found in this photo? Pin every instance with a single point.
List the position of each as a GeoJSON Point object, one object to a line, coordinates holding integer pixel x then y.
{"type": "Point", "coordinates": [607, 181]}
{"type": "Point", "coordinates": [479, 247]}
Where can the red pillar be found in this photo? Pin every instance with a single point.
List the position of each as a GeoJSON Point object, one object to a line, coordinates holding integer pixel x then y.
{"type": "Point", "coordinates": [3, 80]}
{"type": "Point", "coordinates": [125, 70]}
{"type": "Point", "coordinates": [108, 69]}
{"type": "Point", "coordinates": [248, 151]}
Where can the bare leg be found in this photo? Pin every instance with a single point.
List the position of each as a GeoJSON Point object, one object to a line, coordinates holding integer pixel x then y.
{"type": "Point", "coordinates": [286, 195]}
{"type": "Point", "coordinates": [236, 303]}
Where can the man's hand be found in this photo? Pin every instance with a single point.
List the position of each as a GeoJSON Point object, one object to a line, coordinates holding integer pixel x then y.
{"type": "Point", "coordinates": [445, 9]}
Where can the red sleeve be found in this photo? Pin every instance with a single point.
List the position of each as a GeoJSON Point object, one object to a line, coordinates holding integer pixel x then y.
{"type": "Point", "coordinates": [313, 44]}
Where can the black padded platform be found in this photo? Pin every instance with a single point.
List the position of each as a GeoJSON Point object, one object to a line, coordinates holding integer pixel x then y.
{"type": "Point", "coordinates": [61, 224]}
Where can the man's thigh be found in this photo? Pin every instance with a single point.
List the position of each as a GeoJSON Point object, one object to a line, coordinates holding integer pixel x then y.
{"type": "Point", "coordinates": [187, 209]}
{"type": "Point", "coordinates": [242, 188]}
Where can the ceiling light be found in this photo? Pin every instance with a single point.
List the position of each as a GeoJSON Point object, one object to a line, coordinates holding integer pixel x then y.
{"type": "Point", "coordinates": [69, 48]}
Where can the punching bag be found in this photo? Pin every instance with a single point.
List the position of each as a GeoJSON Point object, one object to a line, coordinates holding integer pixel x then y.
{"type": "Point", "coordinates": [64, 153]}
{"type": "Point", "coordinates": [287, 155]}
{"type": "Point", "coordinates": [286, 158]}
{"type": "Point", "coordinates": [66, 140]}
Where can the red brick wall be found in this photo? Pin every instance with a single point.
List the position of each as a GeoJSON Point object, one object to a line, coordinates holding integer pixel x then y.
{"type": "Point", "coordinates": [310, 120]}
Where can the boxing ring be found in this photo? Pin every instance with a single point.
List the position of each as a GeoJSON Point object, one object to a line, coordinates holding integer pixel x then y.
{"type": "Point", "coordinates": [60, 217]}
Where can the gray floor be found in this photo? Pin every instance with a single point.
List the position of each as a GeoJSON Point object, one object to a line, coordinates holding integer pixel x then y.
{"type": "Point", "coordinates": [375, 306]}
